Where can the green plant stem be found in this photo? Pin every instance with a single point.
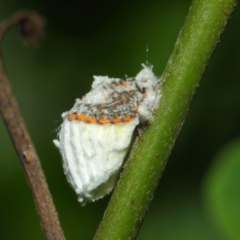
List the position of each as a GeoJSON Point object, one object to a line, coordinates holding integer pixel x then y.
{"type": "Point", "coordinates": [201, 32]}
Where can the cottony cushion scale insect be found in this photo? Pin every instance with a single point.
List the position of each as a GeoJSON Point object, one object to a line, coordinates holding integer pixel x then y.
{"type": "Point", "coordinates": [96, 133]}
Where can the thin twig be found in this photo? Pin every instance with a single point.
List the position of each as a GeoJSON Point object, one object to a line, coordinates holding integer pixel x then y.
{"type": "Point", "coordinates": [32, 30]}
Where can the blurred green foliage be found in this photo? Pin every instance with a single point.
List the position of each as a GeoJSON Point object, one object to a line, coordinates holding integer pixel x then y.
{"type": "Point", "coordinates": [222, 191]}
{"type": "Point", "coordinates": [111, 38]}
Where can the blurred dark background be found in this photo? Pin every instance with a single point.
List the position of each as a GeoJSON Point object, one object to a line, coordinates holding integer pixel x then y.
{"type": "Point", "coordinates": [86, 38]}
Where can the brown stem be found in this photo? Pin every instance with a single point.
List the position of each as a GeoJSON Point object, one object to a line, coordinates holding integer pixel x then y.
{"type": "Point", "coordinates": [31, 30]}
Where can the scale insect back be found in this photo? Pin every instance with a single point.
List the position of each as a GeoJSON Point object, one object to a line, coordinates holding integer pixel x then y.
{"type": "Point", "coordinates": [96, 133]}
